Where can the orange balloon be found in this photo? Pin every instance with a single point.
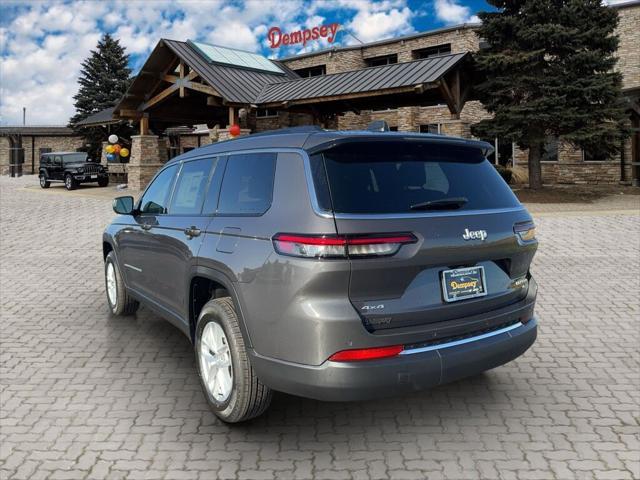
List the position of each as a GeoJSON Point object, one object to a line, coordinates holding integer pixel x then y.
{"type": "Point", "coordinates": [116, 148]}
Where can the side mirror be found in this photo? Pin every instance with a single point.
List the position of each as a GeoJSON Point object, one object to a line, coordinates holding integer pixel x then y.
{"type": "Point", "coordinates": [123, 205]}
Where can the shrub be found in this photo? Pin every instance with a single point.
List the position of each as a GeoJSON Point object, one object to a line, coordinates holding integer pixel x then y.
{"type": "Point", "coordinates": [505, 173]}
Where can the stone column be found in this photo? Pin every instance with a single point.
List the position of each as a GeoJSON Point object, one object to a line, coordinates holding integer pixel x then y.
{"type": "Point", "coordinates": [406, 119]}
{"type": "Point", "coordinates": [146, 159]}
{"type": "Point", "coordinates": [103, 153]}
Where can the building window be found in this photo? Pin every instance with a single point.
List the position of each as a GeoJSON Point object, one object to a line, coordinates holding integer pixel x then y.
{"type": "Point", "coordinates": [595, 155]}
{"type": "Point", "coordinates": [312, 71]}
{"type": "Point", "coordinates": [383, 60]}
{"type": "Point", "coordinates": [443, 49]}
{"type": "Point", "coordinates": [266, 112]}
{"type": "Point", "coordinates": [550, 149]}
{"type": "Point", "coordinates": [503, 151]}
{"type": "Point", "coordinates": [431, 128]}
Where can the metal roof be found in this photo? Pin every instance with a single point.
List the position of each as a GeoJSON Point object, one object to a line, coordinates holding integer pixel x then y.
{"type": "Point", "coordinates": [103, 117]}
{"type": "Point", "coordinates": [37, 130]}
{"type": "Point", "coordinates": [235, 84]}
{"type": "Point", "coordinates": [407, 74]}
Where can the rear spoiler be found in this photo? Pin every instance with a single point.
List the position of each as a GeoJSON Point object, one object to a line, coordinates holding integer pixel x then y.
{"type": "Point", "coordinates": [486, 148]}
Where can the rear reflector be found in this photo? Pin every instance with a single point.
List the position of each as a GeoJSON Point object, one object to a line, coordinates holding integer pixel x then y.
{"type": "Point", "coordinates": [340, 246]}
{"type": "Point", "coordinates": [366, 354]}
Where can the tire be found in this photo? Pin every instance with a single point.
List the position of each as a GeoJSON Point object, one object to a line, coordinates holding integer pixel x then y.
{"type": "Point", "coordinates": [69, 182]}
{"type": "Point", "coordinates": [44, 183]}
{"type": "Point", "coordinates": [123, 304]}
{"type": "Point", "coordinates": [103, 182]}
{"type": "Point", "coordinates": [248, 396]}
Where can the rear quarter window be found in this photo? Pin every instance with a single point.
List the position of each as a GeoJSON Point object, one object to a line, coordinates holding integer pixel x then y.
{"type": "Point", "coordinates": [390, 177]}
{"type": "Point", "coordinates": [247, 186]}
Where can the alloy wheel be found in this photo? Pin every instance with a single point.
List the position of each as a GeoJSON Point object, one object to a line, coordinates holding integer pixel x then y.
{"type": "Point", "coordinates": [112, 291]}
{"type": "Point", "coordinates": [215, 362]}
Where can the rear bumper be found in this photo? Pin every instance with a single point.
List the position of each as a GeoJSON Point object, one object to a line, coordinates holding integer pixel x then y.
{"type": "Point", "coordinates": [335, 381]}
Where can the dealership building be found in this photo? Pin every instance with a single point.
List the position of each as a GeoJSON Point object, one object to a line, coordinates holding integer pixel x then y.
{"type": "Point", "coordinates": [188, 94]}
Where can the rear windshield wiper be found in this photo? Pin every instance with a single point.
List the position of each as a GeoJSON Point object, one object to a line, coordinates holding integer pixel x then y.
{"type": "Point", "coordinates": [442, 204]}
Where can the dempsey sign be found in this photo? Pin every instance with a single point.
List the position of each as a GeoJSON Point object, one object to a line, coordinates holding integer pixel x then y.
{"type": "Point", "coordinates": [277, 38]}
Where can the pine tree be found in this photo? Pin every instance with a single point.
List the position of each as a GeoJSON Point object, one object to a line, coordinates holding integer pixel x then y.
{"type": "Point", "coordinates": [548, 71]}
{"type": "Point", "coordinates": [103, 80]}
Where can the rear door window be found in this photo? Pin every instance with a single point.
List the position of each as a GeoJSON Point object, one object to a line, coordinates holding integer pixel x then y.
{"type": "Point", "coordinates": [392, 177]}
{"type": "Point", "coordinates": [190, 187]}
{"type": "Point", "coordinates": [247, 187]}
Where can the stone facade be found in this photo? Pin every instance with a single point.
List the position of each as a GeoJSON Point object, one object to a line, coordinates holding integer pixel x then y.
{"type": "Point", "coordinates": [32, 145]}
{"type": "Point", "coordinates": [570, 166]}
{"type": "Point", "coordinates": [629, 48]}
{"type": "Point", "coordinates": [461, 39]}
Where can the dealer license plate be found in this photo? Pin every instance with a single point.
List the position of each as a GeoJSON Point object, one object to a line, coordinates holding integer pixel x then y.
{"type": "Point", "coordinates": [463, 283]}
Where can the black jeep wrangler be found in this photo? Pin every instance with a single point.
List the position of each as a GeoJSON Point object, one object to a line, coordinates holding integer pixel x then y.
{"type": "Point", "coordinates": [72, 168]}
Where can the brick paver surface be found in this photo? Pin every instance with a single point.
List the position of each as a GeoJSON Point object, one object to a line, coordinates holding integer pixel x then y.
{"type": "Point", "coordinates": [86, 395]}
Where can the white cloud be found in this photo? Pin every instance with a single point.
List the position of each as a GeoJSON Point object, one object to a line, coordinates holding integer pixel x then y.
{"type": "Point", "coordinates": [43, 42]}
{"type": "Point", "coordinates": [451, 12]}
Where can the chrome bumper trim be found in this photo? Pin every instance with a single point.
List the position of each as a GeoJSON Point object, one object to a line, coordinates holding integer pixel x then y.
{"type": "Point", "coordinates": [455, 343]}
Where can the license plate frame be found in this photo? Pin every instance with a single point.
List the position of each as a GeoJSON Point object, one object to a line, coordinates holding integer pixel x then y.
{"type": "Point", "coordinates": [464, 276]}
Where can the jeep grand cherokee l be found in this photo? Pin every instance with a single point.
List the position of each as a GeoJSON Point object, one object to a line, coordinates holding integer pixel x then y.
{"type": "Point", "coordinates": [329, 264]}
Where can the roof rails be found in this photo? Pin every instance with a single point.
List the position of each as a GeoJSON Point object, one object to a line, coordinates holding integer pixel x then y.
{"type": "Point", "coordinates": [284, 131]}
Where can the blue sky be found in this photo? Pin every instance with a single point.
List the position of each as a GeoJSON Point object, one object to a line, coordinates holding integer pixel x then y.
{"type": "Point", "coordinates": [43, 42]}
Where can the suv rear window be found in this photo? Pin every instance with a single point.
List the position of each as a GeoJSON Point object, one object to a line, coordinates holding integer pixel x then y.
{"type": "Point", "coordinates": [389, 177]}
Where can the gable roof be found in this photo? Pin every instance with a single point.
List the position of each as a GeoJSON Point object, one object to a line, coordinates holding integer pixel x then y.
{"type": "Point", "coordinates": [387, 77]}
{"type": "Point", "coordinates": [235, 84]}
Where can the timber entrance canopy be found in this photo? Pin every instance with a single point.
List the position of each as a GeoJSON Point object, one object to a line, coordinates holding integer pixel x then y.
{"type": "Point", "coordinates": [192, 82]}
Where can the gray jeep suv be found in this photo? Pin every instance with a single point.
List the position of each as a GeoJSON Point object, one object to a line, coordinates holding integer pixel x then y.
{"type": "Point", "coordinates": [335, 265]}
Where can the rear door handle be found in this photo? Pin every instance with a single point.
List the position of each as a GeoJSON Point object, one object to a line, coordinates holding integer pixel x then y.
{"type": "Point", "coordinates": [146, 226]}
{"type": "Point", "coordinates": [192, 232]}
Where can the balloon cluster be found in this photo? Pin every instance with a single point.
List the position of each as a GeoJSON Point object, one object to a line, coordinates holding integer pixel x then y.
{"type": "Point", "coordinates": [113, 149]}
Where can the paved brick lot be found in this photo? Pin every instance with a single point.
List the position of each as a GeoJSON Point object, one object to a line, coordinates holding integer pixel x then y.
{"type": "Point", "coordinates": [85, 395]}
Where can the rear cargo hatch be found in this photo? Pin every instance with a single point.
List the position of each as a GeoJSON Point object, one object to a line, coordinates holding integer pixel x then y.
{"type": "Point", "coordinates": [467, 258]}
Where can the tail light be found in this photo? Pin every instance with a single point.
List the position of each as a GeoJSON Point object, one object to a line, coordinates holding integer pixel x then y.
{"type": "Point", "coordinates": [526, 231]}
{"type": "Point", "coordinates": [360, 354]}
{"type": "Point", "coordinates": [340, 246]}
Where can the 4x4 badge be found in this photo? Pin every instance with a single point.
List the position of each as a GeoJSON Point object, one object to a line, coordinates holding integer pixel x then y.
{"type": "Point", "coordinates": [474, 234]}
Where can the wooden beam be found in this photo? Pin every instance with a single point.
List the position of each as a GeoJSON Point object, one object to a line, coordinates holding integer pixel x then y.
{"type": "Point", "coordinates": [349, 96]}
{"type": "Point", "coordinates": [133, 114]}
{"type": "Point", "coordinates": [448, 96]}
{"type": "Point", "coordinates": [159, 97]}
{"type": "Point", "coordinates": [144, 125]}
{"type": "Point", "coordinates": [232, 116]}
{"type": "Point", "coordinates": [199, 87]}
{"type": "Point", "coordinates": [170, 78]}
{"type": "Point", "coordinates": [181, 69]}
